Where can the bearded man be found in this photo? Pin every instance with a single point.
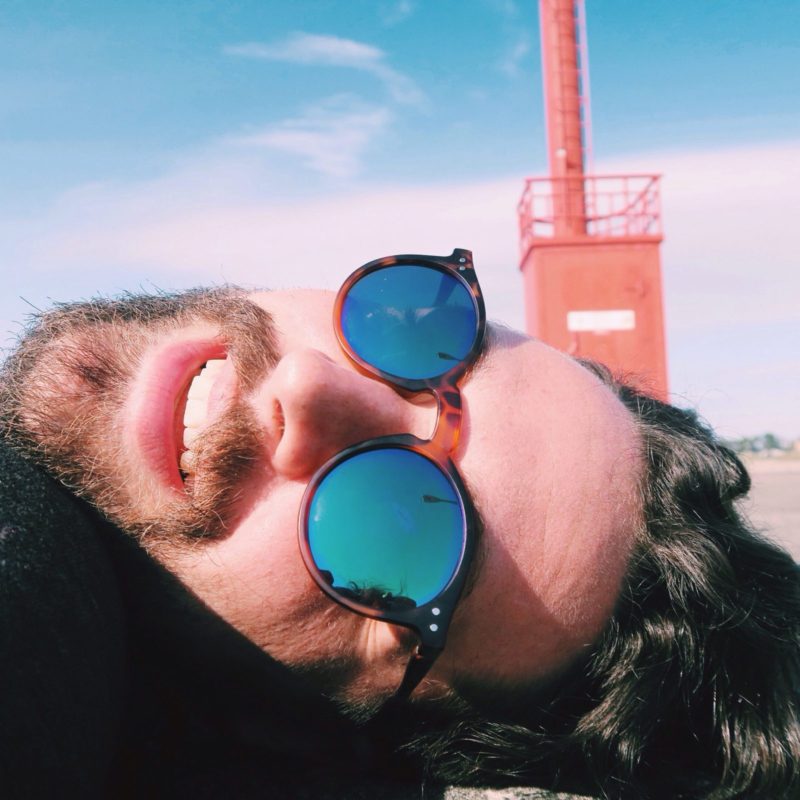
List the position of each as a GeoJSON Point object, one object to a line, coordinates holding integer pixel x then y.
{"type": "Point", "coordinates": [612, 623]}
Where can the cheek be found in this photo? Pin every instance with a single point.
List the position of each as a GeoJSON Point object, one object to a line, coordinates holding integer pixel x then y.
{"type": "Point", "coordinates": [256, 577]}
{"type": "Point", "coordinates": [265, 542]}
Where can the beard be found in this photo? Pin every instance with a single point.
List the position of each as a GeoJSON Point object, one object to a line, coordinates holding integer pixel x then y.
{"type": "Point", "coordinates": [62, 389]}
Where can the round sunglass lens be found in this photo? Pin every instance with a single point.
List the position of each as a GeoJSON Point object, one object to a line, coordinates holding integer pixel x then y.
{"type": "Point", "coordinates": [410, 321]}
{"type": "Point", "coordinates": [386, 529]}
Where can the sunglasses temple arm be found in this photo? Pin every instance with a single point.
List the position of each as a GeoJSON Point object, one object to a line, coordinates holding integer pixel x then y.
{"type": "Point", "coordinates": [417, 669]}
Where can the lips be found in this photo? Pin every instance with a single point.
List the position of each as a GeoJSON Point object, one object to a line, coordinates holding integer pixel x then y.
{"type": "Point", "coordinates": [157, 404]}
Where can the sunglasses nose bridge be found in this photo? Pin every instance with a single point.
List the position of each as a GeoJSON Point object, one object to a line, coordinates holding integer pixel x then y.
{"type": "Point", "coordinates": [448, 419]}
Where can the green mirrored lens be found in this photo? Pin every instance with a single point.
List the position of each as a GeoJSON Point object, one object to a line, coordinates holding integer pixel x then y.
{"type": "Point", "coordinates": [386, 528]}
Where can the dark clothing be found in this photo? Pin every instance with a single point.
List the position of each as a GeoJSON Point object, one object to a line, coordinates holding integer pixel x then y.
{"type": "Point", "coordinates": [117, 682]}
{"type": "Point", "coordinates": [63, 650]}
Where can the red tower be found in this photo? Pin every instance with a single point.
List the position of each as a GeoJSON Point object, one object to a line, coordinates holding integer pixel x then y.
{"type": "Point", "coordinates": [589, 243]}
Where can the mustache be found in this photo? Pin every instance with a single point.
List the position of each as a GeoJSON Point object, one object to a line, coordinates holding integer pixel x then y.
{"type": "Point", "coordinates": [228, 454]}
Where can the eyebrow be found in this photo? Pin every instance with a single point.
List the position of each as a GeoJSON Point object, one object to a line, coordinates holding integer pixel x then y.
{"type": "Point", "coordinates": [479, 364]}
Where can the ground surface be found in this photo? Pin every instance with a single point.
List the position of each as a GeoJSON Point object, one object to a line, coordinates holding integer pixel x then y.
{"type": "Point", "coordinates": [774, 503]}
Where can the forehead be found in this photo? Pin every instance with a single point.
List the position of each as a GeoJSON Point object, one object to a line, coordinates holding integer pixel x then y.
{"type": "Point", "coordinates": [557, 455]}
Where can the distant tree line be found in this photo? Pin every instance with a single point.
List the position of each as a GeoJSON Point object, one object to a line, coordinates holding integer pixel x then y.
{"type": "Point", "coordinates": [759, 444]}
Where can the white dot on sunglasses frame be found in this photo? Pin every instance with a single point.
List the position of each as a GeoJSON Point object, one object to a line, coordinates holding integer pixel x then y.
{"type": "Point", "coordinates": [434, 627]}
{"type": "Point", "coordinates": [435, 612]}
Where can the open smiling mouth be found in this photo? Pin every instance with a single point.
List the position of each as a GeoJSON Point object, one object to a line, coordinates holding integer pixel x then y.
{"type": "Point", "coordinates": [192, 415]}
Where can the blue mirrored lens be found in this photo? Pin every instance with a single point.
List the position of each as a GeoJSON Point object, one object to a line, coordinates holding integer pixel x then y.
{"type": "Point", "coordinates": [410, 321]}
{"type": "Point", "coordinates": [386, 528]}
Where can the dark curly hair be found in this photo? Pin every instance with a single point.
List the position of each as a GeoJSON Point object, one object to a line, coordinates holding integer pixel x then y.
{"type": "Point", "coordinates": [692, 691]}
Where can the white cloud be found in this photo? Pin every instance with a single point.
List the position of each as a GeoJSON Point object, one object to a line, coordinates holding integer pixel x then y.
{"type": "Point", "coordinates": [397, 12]}
{"type": "Point", "coordinates": [330, 138]}
{"type": "Point", "coordinates": [307, 48]}
{"type": "Point", "coordinates": [291, 244]}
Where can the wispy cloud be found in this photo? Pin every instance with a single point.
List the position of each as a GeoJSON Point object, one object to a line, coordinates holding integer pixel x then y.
{"type": "Point", "coordinates": [334, 51]}
{"type": "Point", "coordinates": [307, 48]}
{"type": "Point", "coordinates": [330, 138]}
{"type": "Point", "coordinates": [396, 12]}
{"type": "Point", "coordinates": [510, 62]}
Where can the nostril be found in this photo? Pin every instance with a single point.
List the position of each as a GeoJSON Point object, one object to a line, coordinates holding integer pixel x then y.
{"type": "Point", "coordinates": [278, 419]}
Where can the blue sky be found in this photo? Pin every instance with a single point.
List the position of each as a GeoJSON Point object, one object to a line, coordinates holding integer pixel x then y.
{"type": "Point", "coordinates": [283, 143]}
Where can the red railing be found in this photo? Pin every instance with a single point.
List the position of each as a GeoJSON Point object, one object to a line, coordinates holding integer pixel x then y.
{"type": "Point", "coordinates": [596, 206]}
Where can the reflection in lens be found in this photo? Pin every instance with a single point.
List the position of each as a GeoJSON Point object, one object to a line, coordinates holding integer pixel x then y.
{"type": "Point", "coordinates": [410, 321]}
{"type": "Point", "coordinates": [386, 528]}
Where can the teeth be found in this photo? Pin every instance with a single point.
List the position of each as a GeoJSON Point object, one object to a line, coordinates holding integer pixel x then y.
{"type": "Point", "coordinates": [188, 461]}
{"type": "Point", "coordinates": [189, 436]}
{"type": "Point", "coordinates": [197, 409]}
{"type": "Point", "coordinates": [213, 366]}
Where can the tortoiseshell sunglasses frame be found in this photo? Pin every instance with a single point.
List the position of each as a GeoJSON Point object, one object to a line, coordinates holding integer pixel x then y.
{"type": "Point", "coordinates": [431, 620]}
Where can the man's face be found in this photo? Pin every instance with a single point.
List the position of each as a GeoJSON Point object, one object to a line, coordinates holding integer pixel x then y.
{"type": "Point", "coordinates": [549, 455]}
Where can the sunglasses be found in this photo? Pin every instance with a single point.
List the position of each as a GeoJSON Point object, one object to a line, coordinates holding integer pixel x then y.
{"type": "Point", "coordinates": [387, 528]}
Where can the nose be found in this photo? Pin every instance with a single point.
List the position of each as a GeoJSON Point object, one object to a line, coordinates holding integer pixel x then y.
{"type": "Point", "coordinates": [315, 407]}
